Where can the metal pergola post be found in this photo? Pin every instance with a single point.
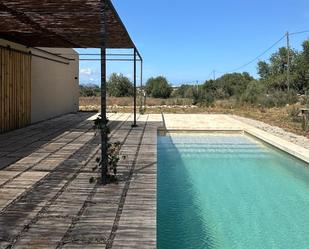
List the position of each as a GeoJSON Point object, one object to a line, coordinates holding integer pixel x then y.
{"type": "Point", "coordinates": [141, 74]}
{"type": "Point", "coordinates": [141, 90]}
{"type": "Point", "coordinates": [103, 125]}
{"type": "Point", "coordinates": [134, 81]}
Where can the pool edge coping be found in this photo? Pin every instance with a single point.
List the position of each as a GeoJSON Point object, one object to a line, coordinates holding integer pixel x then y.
{"type": "Point", "coordinates": [281, 144]}
{"type": "Point", "coordinates": [277, 142]}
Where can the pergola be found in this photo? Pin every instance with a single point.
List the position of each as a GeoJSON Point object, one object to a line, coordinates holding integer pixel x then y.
{"type": "Point", "coordinates": [70, 24]}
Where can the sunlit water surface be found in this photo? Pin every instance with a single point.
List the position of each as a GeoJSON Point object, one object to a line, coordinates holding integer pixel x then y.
{"type": "Point", "coordinates": [230, 191]}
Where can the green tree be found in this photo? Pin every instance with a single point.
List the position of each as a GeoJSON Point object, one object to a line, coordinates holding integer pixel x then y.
{"type": "Point", "coordinates": [89, 90]}
{"type": "Point", "coordinates": [263, 70]}
{"type": "Point", "coordinates": [253, 92]}
{"type": "Point", "coordinates": [232, 84]}
{"type": "Point", "coordinates": [184, 91]}
{"type": "Point", "coordinates": [301, 82]}
{"type": "Point", "coordinates": [306, 51]}
{"type": "Point", "coordinates": [119, 86]}
{"type": "Point", "coordinates": [279, 61]}
{"type": "Point", "coordinates": [274, 73]}
{"type": "Point", "coordinates": [158, 87]}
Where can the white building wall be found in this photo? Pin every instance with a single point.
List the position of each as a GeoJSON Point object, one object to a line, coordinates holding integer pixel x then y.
{"type": "Point", "coordinates": [55, 87]}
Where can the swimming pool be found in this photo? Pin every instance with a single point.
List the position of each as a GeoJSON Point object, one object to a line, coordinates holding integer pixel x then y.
{"type": "Point", "coordinates": [229, 191]}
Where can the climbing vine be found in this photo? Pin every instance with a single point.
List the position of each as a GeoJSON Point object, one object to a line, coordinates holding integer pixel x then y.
{"type": "Point", "coordinates": [113, 154]}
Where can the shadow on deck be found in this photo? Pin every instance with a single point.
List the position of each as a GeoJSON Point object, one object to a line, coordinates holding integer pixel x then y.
{"type": "Point", "coordinates": [46, 200]}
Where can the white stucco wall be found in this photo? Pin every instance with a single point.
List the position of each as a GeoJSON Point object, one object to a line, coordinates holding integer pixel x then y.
{"type": "Point", "coordinates": [54, 85]}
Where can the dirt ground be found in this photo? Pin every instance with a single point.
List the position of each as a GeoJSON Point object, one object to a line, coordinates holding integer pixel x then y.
{"type": "Point", "coordinates": [285, 117]}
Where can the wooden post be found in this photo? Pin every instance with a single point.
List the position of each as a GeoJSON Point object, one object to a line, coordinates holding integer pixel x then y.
{"type": "Point", "coordinates": [288, 59]}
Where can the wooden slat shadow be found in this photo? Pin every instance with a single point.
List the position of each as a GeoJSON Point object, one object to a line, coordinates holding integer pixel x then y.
{"type": "Point", "coordinates": [18, 144]}
{"type": "Point", "coordinates": [14, 217]}
{"type": "Point", "coordinates": [64, 210]}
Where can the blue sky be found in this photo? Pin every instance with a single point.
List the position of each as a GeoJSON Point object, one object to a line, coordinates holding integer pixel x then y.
{"type": "Point", "coordinates": [186, 40]}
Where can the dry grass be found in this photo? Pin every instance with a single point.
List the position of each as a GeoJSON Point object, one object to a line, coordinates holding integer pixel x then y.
{"type": "Point", "coordinates": [93, 103]}
{"type": "Point", "coordinates": [281, 117]}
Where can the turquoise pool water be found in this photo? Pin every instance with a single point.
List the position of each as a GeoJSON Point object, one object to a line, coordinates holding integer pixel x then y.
{"type": "Point", "coordinates": [230, 191]}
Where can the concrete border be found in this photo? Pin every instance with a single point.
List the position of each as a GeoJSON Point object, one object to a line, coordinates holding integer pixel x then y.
{"type": "Point", "coordinates": [238, 126]}
{"type": "Point", "coordinates": [281, 144]}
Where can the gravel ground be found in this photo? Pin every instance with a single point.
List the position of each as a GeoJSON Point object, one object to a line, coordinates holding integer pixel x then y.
{"type": "Point", "coordinates": [291, 137]}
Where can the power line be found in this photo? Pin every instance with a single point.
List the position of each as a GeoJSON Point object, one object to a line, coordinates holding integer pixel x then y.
{"type": "Point", "coordinates": [299, 32]}
{"type": "Point", "coordinates": [260, 55]}
{"type": "Point", "coordinates": [257, 57]}
{"type": "Point", "coordinates": [267, 50]}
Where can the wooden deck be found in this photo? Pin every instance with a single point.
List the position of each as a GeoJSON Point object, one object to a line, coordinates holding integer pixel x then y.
{"type": "Point", "coordinates": [46, 200]}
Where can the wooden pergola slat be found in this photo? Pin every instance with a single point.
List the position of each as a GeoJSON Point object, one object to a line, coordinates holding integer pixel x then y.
{"type": "Point", "coordinates": [58, 23]}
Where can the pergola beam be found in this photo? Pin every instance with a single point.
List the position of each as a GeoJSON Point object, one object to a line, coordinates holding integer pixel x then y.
{"type": "Point", "coordinates": [118, 60]}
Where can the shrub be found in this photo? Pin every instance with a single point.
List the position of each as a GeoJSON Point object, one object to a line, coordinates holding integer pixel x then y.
{"type": "Point", "coordinates": [184, 91]}
{"type": "Point", "coordinates": [253, 92]}
{"type": "Point", "coordinates": [89, 90]}
{"type": "Point", "coordinates": [278, 99]}
{"type": "Point", "coordinates": [229, 85]}
{"type": "Point", "coordinates": [208, 100]}
{"type": "Point", "coordinates": [158, 88]}
{"type": "Point", "coordinates": [119, 86]}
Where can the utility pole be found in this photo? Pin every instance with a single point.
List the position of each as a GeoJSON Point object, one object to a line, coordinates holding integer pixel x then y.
{"type": "Point", "coordinates": [288, 60]}
{"type": "Point", "coordinates": [214, 74]}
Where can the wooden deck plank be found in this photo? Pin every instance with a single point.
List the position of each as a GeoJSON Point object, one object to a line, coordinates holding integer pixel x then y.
{"type": "Point", "coordinates": [48, 201]}
{"type": "Point", "coordinates": [137, 226]}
